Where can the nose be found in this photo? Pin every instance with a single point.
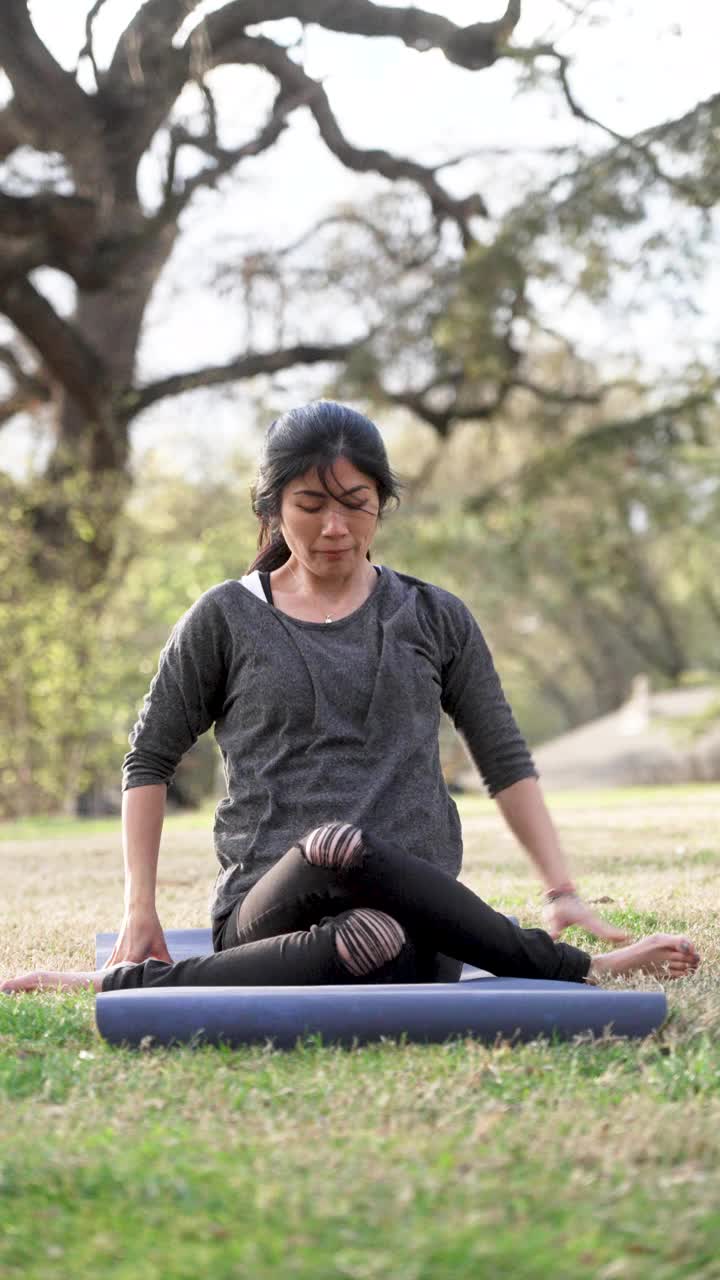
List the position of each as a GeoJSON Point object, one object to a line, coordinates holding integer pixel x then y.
{"type": "Point", "coordinates": [335, 524]}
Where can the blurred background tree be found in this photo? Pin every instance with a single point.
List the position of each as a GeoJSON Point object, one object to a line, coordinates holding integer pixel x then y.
{"type": "Point", "coordinates": [573, 502]}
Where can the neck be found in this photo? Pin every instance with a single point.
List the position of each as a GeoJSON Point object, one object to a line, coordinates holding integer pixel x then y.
{"type": "Point", "coordinates": [331, 589]}
{"type": "Point", "coordinates": [306, 595]}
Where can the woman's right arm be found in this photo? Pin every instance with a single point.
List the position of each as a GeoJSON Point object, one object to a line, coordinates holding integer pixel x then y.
{"type": "Point", "coordinates": [141, 934]}
{"type": "Point", "coordinates": [183, 701]}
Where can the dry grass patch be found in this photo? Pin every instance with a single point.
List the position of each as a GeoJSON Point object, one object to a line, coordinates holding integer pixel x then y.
{"type": "Point", "coordinates": [590, 1158]}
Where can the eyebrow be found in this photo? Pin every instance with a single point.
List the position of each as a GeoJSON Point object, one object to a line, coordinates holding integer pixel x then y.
{"type": "Point", "coordinates": [322, 493]}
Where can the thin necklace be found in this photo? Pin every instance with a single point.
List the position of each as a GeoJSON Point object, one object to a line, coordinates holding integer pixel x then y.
{"type": "Point", "coordinates": [327, 617]}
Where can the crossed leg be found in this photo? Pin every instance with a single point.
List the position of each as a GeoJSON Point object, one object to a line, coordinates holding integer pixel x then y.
{"type": "Point", "coordinates": [376, 900]}
{"type": "Point", "coordinates": [432, 906]}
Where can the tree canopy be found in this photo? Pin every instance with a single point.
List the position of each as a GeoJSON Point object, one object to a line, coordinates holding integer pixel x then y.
{"type": "Point", "coordinates": [572, 500]}
{"type": "Point", "coordinates": [450, 316]}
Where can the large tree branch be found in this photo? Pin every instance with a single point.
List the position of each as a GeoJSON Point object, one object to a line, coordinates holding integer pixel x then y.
{"type": "Point", "coordinates": [473, 47]}
{"type": "Point", "coordinates": [135, 400]}
{"type": "Point", "coordinates": [13, 132]}
{"type": "Point", "coordinates": [145, 77]}
{"type": "Point", "coordinates": [46, 230]}
{"type": "Point", "coordinates": [50, 102]}
{"type": "Point", "coordinates": [62, 217]}
{"type": "Point", "coordinates": [145, 41]}
{"type": "Point", "coordinates": [148, 35]}
{"type": "Point", "coordinates": [259, 51]}
{"type": "Point", "coordinates": [67, 356]}
{"type": "Point", "coordinates": [147, 74]}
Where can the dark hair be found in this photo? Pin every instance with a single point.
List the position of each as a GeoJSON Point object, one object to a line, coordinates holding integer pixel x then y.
{"type": "Point", "coordinates": [314, 435]}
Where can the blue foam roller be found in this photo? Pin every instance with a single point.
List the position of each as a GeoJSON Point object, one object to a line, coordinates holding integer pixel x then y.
{"type": "Point", "coordinates": [480, 1005]}
{"type": "Point", "coordinates": [426, 1012]}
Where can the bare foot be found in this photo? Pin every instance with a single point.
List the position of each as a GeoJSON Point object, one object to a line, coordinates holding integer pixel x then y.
{"type": "Point", "coordinates": [665, 955]}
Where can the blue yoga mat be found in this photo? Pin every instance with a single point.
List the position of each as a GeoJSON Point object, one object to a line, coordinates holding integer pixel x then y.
{"type": "Point", "coordinates": [479, 1006]}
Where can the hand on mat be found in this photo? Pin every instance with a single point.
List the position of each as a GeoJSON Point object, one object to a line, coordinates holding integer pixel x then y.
{"type": "Point", "coordinates": [569, 909]}
{"type": "Point", "coordinates": [141, 936]}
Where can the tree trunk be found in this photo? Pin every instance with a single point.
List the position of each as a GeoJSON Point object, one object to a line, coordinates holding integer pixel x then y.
{"type": "Point", "coordinates": [83, 491]}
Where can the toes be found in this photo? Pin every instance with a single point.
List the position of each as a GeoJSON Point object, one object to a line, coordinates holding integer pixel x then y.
{"type": "Point", "coordinates": [681, 967]}
{"type": "Point", "coordinates": [679, 948]}
{"type": "Point", "coordinates": [688, 949]}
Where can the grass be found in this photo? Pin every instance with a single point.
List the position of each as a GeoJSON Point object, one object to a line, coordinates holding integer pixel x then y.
{"type": "Point", "coordinates": [402, 1161]}
{"type": "Point", "coordinates": [47, 828]}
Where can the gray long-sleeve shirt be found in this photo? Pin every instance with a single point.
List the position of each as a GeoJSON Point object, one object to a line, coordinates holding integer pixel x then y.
{"type": "Point", "coordinates": [318, 722]}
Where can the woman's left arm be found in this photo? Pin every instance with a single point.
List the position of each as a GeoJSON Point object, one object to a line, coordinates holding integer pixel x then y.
{"type": "Point", "coordinates": [473, 696]}
{"type": "Point", "coordinates": [525, 812]}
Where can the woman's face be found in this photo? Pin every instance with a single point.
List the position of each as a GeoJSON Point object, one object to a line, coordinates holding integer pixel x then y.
{"type": "Point", "coordinates": [327, 536]}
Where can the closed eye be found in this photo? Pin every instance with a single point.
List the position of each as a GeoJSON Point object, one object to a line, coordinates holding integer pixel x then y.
{"type": "Point", "coordinates": [349, 506]}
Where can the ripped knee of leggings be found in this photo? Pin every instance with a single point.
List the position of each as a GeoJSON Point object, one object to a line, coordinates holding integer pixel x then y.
{"type": "Point", "coordinates": [338, 845]}
{"type": "Point", "coordinates": [367, 939]}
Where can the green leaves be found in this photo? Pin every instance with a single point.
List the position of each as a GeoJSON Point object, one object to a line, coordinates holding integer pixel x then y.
{"type": "Point", "coordinates": [78, 663]}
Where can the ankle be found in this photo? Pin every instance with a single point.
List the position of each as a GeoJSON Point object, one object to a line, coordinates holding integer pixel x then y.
{"type": "Point", "coordinates": [598, 967]}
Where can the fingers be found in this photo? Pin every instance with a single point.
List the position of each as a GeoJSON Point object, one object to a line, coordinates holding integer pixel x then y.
{"type": "Point", "coordinates": [588, 920]}
{"type": "Point", "coordinates": [610, 932]}
{"type": "Point", "coordinates": [601, 928]}
{"type": "Point", "coordinates": [25, 982]}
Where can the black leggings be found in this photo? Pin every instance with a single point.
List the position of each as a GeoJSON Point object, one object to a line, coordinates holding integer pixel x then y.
{"type": "Point", "coordinates": [400, 920]}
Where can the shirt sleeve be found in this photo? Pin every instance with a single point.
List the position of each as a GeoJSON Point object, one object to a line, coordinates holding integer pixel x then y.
{"type": "Point", "coordinates": [473, 697]}
{"type": "Point", "coordinates": [185, 696]}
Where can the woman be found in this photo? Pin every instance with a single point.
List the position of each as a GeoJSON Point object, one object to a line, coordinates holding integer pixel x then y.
{"type": "Point", "coordinates": [324, 677]}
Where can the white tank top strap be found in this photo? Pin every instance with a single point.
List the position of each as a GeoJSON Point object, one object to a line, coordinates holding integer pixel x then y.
{"type": "Point", "coordinates": [253, 584]}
